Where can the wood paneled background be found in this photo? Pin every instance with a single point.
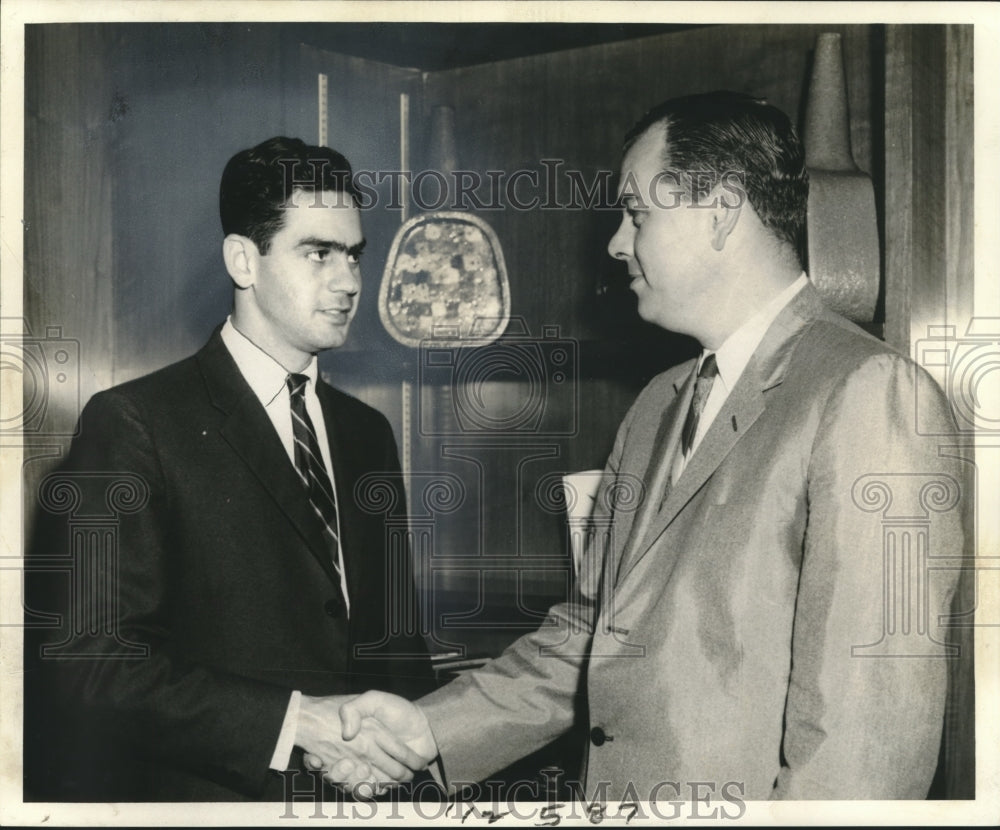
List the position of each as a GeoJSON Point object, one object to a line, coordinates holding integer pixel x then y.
{"type": "Point", "coordinates": [128, 127]}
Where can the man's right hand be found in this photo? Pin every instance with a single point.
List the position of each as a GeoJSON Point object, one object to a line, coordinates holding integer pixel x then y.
{"type": "Point", "coordinates": [381, 730]}
{"type": "Point", "coordinates": [370, 757]}
{"type": "Point", "coordinates": [403, 719]}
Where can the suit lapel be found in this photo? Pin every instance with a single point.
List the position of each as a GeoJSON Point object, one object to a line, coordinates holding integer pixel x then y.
{"type": "Point", "coordinates": [745, 404]}
{"type": "Point", "coordinates": [657, 472]}
{"type": "Point", "coordinates": [742, 408]}
{"type": "Point", "coordinates": [250, 433]}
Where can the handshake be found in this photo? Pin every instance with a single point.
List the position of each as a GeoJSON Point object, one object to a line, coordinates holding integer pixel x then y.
{"type": "Point", "coordinates": [366, 743]}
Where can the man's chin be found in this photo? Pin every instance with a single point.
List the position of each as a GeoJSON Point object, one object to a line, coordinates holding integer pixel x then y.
{"type": "Point", "coordinates": [655, 318]}
{"type": "Point", "coordinates": [334, 335]}
{"type": "Point", "coordinates": [646, 313]}
{"type": "Point", "coordinates": [329, 341]}
{"type": "Point", "coordinates": [335, 342]}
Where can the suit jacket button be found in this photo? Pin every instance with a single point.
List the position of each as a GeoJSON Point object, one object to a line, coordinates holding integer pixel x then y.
{"type": "Point", "coordinates": [332, 608]}
{"type": "Point", "coordinates": [598, 736]}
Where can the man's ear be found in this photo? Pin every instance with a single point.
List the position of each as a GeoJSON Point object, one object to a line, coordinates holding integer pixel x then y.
{"type": "Point", "coordinates": [240, 255]}
{"type": "Point", "coordinates": [725, 216]}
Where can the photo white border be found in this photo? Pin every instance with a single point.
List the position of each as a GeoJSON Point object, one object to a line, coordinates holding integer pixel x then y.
{"type": "Point", "coordinates": [15, 13]}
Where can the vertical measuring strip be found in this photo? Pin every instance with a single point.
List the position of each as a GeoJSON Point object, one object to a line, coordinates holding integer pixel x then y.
{"type": "Point", "coordinates": [407, 449]}
{"type": "Point", "coordinates": [404, 154]}
{"type": "Point", "coordinates": [321, 87]}
{"type": "Point", "coordinates": [407, 386]}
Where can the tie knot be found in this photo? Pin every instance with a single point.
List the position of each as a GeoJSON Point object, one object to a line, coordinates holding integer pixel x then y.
{"type": "Point", "coordinates": [709, 369]}
{"type": "Point", "coordinates": [297, 385]}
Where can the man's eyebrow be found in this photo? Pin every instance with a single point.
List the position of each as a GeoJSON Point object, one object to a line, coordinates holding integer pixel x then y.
{"type": "Point", "coordinates": [333, 245]}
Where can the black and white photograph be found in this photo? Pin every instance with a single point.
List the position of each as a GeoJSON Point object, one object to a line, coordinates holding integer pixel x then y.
{"type": "Point", "coordinates": [511, 413]}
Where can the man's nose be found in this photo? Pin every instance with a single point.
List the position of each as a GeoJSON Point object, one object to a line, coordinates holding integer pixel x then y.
{"type": "Point", "coordinates": [343, 276]}
{"type": "Point", "coordinates": [620, 246]}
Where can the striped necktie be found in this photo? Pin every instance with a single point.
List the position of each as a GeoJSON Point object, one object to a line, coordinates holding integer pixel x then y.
{"type": "Point", "coordinates": [311, 469]}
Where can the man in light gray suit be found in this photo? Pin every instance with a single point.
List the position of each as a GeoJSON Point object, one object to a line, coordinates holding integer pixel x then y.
{"type": "Point", "coordinates": [765, 621]}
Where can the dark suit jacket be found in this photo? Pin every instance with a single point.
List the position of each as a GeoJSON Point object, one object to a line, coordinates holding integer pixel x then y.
{"type": "Point", "coordinates": [222, 594]}
{"type": "Point", "coordinates": [771, 627]}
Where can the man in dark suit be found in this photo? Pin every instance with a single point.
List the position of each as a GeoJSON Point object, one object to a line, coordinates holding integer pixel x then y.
{"type": "Point", "coordinates": [243, 584]}
{"type": "Point", "coordinates": [760, 608]}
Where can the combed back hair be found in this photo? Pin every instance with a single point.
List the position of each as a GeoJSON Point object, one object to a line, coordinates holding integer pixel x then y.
{"type": "Point", "coordinates": [732, 134]}
{"type": "Point", "coordinates": [258, 183]}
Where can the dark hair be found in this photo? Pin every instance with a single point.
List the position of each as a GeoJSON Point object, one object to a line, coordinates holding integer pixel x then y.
{"type": "Point", "coordinates": [729, 132]}
{"type": "Point", "coordinates": [257, 184]}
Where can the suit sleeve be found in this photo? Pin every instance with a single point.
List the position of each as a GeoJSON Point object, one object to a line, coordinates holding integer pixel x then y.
{"type": "Point", "coordinates": [124, 674]}
{"type": "Point", "coordinates": [488, 718]}
{"type": "Point", "coordinates": [868, 673]}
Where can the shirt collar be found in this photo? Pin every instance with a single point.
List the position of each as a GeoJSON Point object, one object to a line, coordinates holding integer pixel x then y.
{"type": "Point", "coordinates": [734, 354]}
{"type": "Point", "coordinates": [262, 372]}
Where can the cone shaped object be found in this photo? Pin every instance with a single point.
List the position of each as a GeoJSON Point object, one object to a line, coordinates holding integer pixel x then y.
{"type": "Point", "coordinates": [828, 130]}
{"type": "Point", "coordinates": [842, 227]}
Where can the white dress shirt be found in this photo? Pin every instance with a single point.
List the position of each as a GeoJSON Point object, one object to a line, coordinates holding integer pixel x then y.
{"type": "Point", "coordinates": [268, 380]}
{"type": "Point", "coordinates": [731, 359]}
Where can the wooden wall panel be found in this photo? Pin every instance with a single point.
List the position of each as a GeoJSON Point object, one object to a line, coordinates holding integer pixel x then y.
{"type": "Point", "coordinates": [69, 127]}
{"type": "Point", "coordinates": [70, 120]}
{"type": "Point", "coordinates": [930, 176]}
{"type": "Point", "coordinates": [958, 771]}
{"type": "Point", "coordinates": [191, 95]}
{"type": "Point", "coordinates": [959, 149]}
{"type": "Point", "coordinates": [929, 260]}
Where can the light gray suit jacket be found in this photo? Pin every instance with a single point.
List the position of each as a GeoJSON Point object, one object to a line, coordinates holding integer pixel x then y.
{"type": "Point", "coordinates": [772, 624]}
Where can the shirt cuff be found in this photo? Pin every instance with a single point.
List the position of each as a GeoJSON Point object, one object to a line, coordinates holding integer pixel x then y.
{"type": "Point", "coordinates": [286, 738]}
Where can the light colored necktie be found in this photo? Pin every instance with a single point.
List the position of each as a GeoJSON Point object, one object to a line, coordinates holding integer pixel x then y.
{"type": "Point", "coordinates": [699, 398]}
{"type": "Point", "coordinates": [702, 389]}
